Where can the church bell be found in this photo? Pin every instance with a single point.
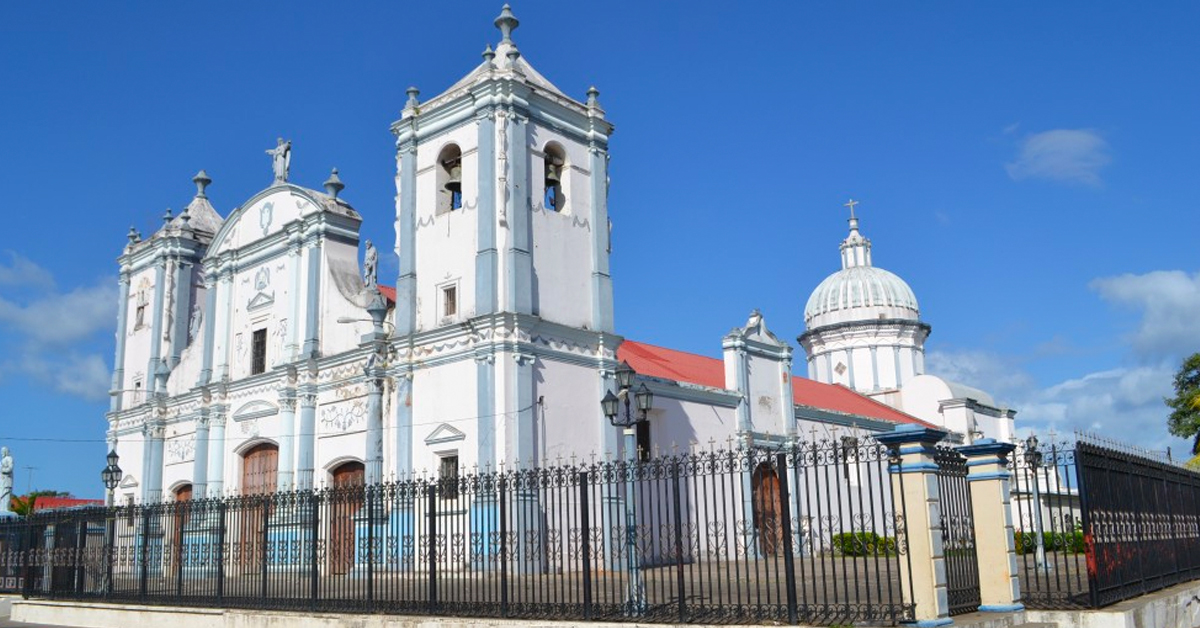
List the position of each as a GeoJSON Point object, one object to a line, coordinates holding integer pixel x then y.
{"type": "Point", "coordinates": [454, 182]}
{"type": "Point", "coordinates": [552, 179]}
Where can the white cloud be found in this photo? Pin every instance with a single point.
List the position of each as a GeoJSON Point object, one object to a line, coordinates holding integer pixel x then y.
{"type": "Point", "coordinates": [1063, 155]}
{"type": "Point", "coordinates": [1169, 301]}
{"type": "Point", "coordinates": [21, 271]}
{"type": "Point", "coordinates": [49, 336]}
{"type": "Point", "coordinates": [996, 375]}
{"type": "Point", "coordinates": [59, 319]}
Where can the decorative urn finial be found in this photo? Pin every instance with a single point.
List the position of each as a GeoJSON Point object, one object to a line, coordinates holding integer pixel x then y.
{"type": "Point", "coordinates": [134, 235]}
{"type": "Point", "coordinates": [166, 217]}
{"type": "Point", "coordinates": [489, 54]}
{"type": "Point", "coordinates": [593, 97]}
{"type": "Point", "coordinates": [334, 185]}
{"type": "Point", "coordinates": [507, 23]}
{"type": "Point", "coordinates": [201, 180]}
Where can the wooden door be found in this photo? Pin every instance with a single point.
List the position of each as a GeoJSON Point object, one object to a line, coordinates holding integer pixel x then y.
{"type": "Point", "coordinates": [182, 513]}
{"type": "Point", "coordinates": [345, 500]}
{"type": "Point", "coordinates": [260, 467]}
{"type": "Point", "coordinates": [765, 494]}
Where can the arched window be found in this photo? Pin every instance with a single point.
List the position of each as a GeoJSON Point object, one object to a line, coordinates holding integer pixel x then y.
{"type": "Point", "coordinates": [449, 179]}
{"type": "Point", "coordinates": [555, 169]}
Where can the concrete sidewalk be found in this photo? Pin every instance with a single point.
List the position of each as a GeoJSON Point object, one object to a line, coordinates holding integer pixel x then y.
{"type": "Point", "coordinates": [6, 611]}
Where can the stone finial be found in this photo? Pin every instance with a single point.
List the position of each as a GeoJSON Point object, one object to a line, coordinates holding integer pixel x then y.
{"type": "Point", "coordinates": [334, 185]}
{"type": "Point", "coordinates": [167, 217]}
{"type": "Point", "coordinates": [489, 54]}
{"type": "Point", "coordinates": [134, 235]}
{"type": "Point", "coordinates": [412, 92]}
{"type": "Point", "coordinates": [201, 180]}
{"type": "Point", "coordinates": [513, 54]}
{"type": "Point", "coordinates": [185, 217]}
{"type": "Point", "coordinates": [507, 23]}
{"type": "Point", "coordinates": [593, 97]}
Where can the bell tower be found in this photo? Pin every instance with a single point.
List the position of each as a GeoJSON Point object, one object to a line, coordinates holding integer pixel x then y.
{"type": "Point", "coordinates": [502, 235]}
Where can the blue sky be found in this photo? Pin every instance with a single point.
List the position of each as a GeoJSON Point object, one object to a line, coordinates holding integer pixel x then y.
{"type": "Point", "coordinates": [1029, 168]}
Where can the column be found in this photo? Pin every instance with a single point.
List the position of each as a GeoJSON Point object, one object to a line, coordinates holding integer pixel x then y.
{"type": "Point", "coordinates": [160, 271]}
{"type": "Point", "coordinates": [216, 451]}
{"type": "Point", "coordinates": [117, 394]}
{"type": "Point", "coordinates": [915, 492]}
{"type": "Point", "coordinates": [374, 452]}
{"type": "Point", "coordinates": [306, 437]}
{"type": "Point", "coordinates": [485, 409]}
{"type": "Point", "coordinates": [293, 334]}
{"type": "Point", "coordinates": [200, 461]}
{"type": "Point", "coordinates": [287, 438]}
{"type": "Point", "coordinates": [988, 477]}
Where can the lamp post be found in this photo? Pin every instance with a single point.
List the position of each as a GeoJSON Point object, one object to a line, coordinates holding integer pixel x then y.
{"type": "Point", "coordinates": [635, 597]}
{"type": "Point", "coordinates": [111, 475]}
{"type": "Point", "coordinates": [1033, 459]}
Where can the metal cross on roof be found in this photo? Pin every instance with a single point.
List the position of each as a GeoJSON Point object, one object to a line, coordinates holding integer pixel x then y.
{"type": "Point", "coordinates": [851, 203]}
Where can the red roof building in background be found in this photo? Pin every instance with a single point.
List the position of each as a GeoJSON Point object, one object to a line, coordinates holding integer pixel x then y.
{"type": "Point", "coordinates": [46, 502]}
{"type": "Point", "coordinates": [680, 366]}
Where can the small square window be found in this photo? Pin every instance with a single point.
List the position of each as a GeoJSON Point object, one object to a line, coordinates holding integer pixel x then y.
{"type": "Point", "coordinates": [258, 363]}
{"type": "Point", "coordinates": [448, 477]}
{"type": "Point", "coordinates": [449, 301]}
{"type": "Point", "coordinates": [139, 318]}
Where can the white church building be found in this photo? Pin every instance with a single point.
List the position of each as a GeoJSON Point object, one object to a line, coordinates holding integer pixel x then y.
{"type": "Point", "coordinates": [255, 353]}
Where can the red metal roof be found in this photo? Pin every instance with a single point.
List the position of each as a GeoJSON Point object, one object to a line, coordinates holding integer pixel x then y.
{"type": "Point", "coordinates": [681, 366]}
{"type": "Point", "coordinates": [45, 502]}
{"type": "Point", "coordinates": [388, 292]}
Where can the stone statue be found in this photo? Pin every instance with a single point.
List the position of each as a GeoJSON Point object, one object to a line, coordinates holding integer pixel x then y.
{"type": "Point", "coordinates": [281, 159]}
{"type": "Point", "coordinates": [194, 327]}
{"type": "Point", "coordinates": [371, 266]}
{"type": "Point", "coordinates": [6, 479]}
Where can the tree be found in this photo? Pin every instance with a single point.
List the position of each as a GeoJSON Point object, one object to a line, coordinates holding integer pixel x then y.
{"type": "Point", "coordinates": [1185, 405]}
{"type": "Point", "coordinates": [23, 506]}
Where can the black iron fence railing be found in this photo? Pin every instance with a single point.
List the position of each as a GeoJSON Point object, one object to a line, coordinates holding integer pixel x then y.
{"type": "Point", "coordinates": [958, 532]}
{"type": "Point", "coordinates": [809, 534]}
{"type": "Point", "coordinates": [1095, 525]}
{"type": "Point", "coordinates": [1141, 523]}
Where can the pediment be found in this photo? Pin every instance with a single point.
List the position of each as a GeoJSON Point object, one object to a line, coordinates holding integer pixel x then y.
{"type": "Point", "coordinates": [255, 410]}
{"type": "Point", "coordinates": [128, 481]}
{"type": "Point", "coordinates": [444, 433]}
{"type": "Point", "coordinates": [261, 300]}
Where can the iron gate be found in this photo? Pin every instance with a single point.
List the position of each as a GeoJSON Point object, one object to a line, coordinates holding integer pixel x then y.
{"type": "Point", "coordinates": [958, 532]}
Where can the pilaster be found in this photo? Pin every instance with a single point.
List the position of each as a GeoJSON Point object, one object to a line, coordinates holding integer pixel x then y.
{"type": "Point", "coordinates": [988, 478]}
{"type": "Point", "coordinates": [287, 439]}
{"type": "Point", "coordinates": [210, 316]}
{"type": "Point", "coordinates": [308, 436]}
{"type": "Point", "coordinates": [374, 441]}
{"type": "Point", "coordinates": [216, 450]}
{"type": "Point", "coordinates": [485, 408]}
{"type": "Point", "coordinates": [200, 459]}
{"type": "Point", "coordinates": [182, 308]}
{"type": "Point", "coordinates": [519, 278]}
{"type": "Point", "coordinates": [312, 305]}
{"type": "Point", "coordinates": [117, 394]}
{"type": "Point", "coordinates": [486, 277]}
{"type": "Point", "coordinates": [406, 229]}
{"type": "Point", "coordinates": [915, 490]}
{"type": "Point", "coordinates": [160, 269]}
{"type": "Point", "coordinates": [602, 291]}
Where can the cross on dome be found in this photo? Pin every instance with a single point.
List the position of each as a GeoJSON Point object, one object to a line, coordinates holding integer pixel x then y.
{"type": "Point", "coordinates": [851, 203]}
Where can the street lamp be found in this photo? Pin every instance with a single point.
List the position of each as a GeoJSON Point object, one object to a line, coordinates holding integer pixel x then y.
{"type": "Point", "coordinates": [111, 475]}
{"type": "Point", "coordinates": [635, 599]}
{"type": "Point", "coordinates": [1033, 460]}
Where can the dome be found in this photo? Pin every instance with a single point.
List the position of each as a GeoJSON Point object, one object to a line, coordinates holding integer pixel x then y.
{"type": "Point", "coordinates": [860, 293]}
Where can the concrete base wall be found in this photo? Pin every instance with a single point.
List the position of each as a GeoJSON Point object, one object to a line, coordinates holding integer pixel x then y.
{"type": "Point", "coordinates": [1177, 607]}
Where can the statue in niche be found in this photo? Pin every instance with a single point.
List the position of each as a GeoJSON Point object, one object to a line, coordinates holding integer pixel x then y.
{"type": "Point", "coordinates": [371, 266]}
{"type": "Point", "coordinates": [6, 479]}
{"type": "Point", "coordinates": [194, 327]}
{"type": "Point", "coordinates": [281, 159]}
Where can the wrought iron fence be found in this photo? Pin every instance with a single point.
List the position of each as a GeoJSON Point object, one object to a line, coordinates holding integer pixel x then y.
{"type": "Point", "coordinates": [807, 534]}
{"type": "Point", "coordinates": [958, 532]}
{"type": "Point", "coordinates": [1141, 523]}
{"type": "Point", "coordinates": [1048, 528]}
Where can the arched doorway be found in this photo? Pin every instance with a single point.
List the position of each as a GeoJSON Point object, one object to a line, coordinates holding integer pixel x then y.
{"type": "Point", "coordinates": [765, 495]}
{"type": "Point", "coordinates": [181, 513]}
{"type": "Point", "coordinates": [260, 468]}
{"type": "Point", "coordinates": [345, 500]}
